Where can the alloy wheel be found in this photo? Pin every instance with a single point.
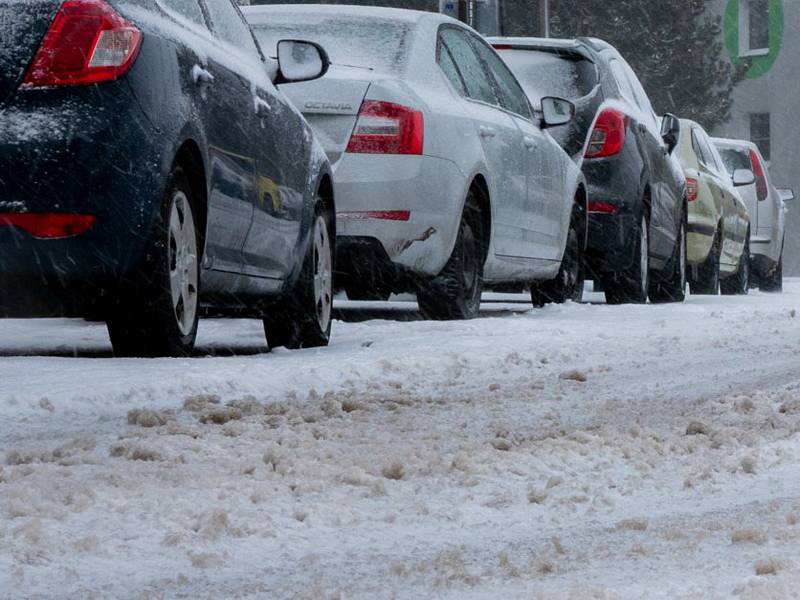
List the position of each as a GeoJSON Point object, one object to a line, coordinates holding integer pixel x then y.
{"type": "Point", "coordinates": [323, 273]}
{"type": "Point", "coordinates": [183, 265]}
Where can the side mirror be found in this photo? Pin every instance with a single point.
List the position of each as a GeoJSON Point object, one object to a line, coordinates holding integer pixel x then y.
{"type": "Point", "coordinates": [556, 111]}
{"type": "Point", "coordinates": [743, 177]}
{"type": "Point", "coordinates": [670, 131]}
{"type": "Point", "coordinates": [299, 60]}
{"type": "Point", "coordinates": [787, 195]}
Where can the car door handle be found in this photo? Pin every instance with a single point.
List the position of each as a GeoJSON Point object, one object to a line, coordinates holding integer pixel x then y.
{"type": "Point", "coordinates": [201, 77]}
{"type": "Point", "coordinates": [487, 132]}
{"type": "Point", "coordinates": [262, 107]}
{"type": "Point", "coordinates": [530, 143]}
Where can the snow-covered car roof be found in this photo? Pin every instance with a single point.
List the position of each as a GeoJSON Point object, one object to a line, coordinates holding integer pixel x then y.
{"type": "Point", "coordinates": [732, 143]}
{"type": "Point", "coordinates": [339, 10]}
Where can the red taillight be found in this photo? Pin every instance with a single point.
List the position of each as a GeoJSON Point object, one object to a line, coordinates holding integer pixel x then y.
{"type": "Point", "coordinates": [88, 42]}
{"type": "Point", "coordinates": [605, 208]}
{"type": "Point", "coordinates": [386, 128]}
{"type": "Point", "coordinates": [49, 225]}
{"type": "Point", "coordinates": [381, 215]}
{"type": "Point", "coordinates": [692, 189]}
{"type": "Point", "coordinates": [761, 178]}
{"type": "Point", "coordinates": [608, 135]}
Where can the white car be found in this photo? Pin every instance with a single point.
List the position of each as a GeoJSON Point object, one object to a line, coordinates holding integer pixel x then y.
{"type": "Point", "coordinates": [766, 206]}
{"type": "Point", "coordinates": [445, 178]}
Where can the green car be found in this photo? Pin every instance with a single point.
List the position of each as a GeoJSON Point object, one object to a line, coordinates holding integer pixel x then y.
{"type": "Point", "coordinates": [718, 251]}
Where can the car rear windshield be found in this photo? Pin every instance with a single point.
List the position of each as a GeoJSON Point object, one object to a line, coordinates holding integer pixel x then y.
{"type": "Point", "coordinates": [734, 158]}
{"type": "Point", "coordinates": [367, 42]}
{"type": "Point", "coordinates": [543, 73]}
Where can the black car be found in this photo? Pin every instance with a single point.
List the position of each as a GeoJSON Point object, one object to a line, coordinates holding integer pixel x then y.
{"type": "Point", "coordinates": [637, 192]}
{"type": "Point", "coordinates": [150, 172]}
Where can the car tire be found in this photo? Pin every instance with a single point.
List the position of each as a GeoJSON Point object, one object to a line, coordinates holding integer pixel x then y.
{"type": "Point", "coordinates": [455, 294]}
{"type": "Point", "coordinates": [739, 283]}
{"type": "Point", "coordinates": [156, 311]}
{"type": "Point", "coordinates": [366, 295]}
{"type": "Point", "coordinates": [672, 286]}
{"type": "Point", "coordinates": [707, 282]}
{"type": "Point", "coordinates": [773, 282]}
{"type": "Point", "coordinates": [568, 284]}
{"type": "Point", "coordinates": [302, 318]}
{"type": "Point", "coordinates": [632, 286]}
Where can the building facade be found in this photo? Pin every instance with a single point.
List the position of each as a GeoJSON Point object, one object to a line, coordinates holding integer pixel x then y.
{"type": "Point", "coordinates": [761, 37]}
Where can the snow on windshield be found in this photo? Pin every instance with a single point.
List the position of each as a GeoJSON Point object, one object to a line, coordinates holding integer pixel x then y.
{"type": "Point", "coordinates": [369, 42]}
{"type": "Point", "coordinates": [546, 74]}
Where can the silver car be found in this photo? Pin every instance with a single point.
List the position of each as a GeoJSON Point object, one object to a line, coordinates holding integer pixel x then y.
{"type": "Point", "coordinates": [445, 177]}
{"type": "Point", "coordinates": [766, 206]}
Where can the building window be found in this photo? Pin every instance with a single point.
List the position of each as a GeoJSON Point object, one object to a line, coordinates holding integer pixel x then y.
{"type": "Point", "coordinates": [760, 134]}
{"type": "Point", "coordinates": [753, 27]}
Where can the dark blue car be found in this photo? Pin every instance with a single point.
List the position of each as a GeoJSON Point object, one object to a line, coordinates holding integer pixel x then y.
{"type": "Point", "coordinates": [151, 172]}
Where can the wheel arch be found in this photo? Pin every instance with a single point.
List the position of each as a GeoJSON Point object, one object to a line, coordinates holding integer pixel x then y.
{"type": "Point", "coordinates": [190, 158]}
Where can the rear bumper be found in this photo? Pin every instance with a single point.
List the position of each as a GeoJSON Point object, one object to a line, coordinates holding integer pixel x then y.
{"type": "Point", "coordinates": [430, 190]}
{"type": "Point", "coordinates": [76, 152]}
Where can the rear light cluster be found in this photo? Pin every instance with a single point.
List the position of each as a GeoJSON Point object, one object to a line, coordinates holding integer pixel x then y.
{"type": "Point", "coordinates": [386, 128]}
{"type": "Point", "coordinates": [608, 135]}
{"type": "Point", "coordinates": [88, 42]}
{"type": "Point", "coordinates": [762, 192]}
{"type": "Point", "coordinates": [603, 208]}
{"type": "Point", "coordinates": [48, 226]}
{"type": "Point", "coordinates": [692, 189]}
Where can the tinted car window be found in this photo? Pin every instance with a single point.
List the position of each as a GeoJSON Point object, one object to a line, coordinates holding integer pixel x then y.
{"type": "Point", "coordinates": [469, 65]}
{"type": "Point", "coordinates": [511, 95]}
{"type": "Point", "coordinates": [547, 74]}
{"type": "Point", "coordinates": [623, 85]}
{"type": "Point", "coordinates": [229, 25]}
{"type": "Point", "coordinates": [735, 159]}
{"type": "Point", "coordinates": [350, 41]}
{"type": "Point", "coordinates": [698, 148]}
{"type": "Point", "coordinates": [450, 69]}
{"type": "Point", "coordinates": [188, 9]}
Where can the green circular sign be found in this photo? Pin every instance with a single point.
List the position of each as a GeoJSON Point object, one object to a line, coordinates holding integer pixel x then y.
{"type": "Point", "coordinates": [757, 65]}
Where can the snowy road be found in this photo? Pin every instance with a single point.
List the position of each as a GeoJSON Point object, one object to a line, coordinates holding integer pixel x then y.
{"type": "Point", "coordinates": [583, 451]}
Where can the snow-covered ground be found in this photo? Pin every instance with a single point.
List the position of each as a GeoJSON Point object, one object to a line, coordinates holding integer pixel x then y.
{"type": "Point", "coordinates": [582, 451]}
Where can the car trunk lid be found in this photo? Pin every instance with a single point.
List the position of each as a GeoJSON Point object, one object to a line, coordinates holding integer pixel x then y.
{"type": "Point", "coordinates": [23, 25]}
{"type": "Point", "coordinates": [331, 106]}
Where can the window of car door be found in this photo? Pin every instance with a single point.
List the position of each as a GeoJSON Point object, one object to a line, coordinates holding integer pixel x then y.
{"type": "Point", "coordinates": [448, 66]}
{"type": "Point", "coordinates": [231, 28]}
{"type": "Point", "coordinates": [475, 79]}
{"type": "Point", "coordinates": [510, 93]}
{"type": "Point", "coordinates": [712, 155]}
{"type": "Point", "coordinates": [189, 10]}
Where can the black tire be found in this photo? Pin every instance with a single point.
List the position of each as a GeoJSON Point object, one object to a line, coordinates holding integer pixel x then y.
{"type": "Point", "coordinates": [707, 282]}
{"type": "Point", "coordinates": [145, 318]}
{"type": "Point", "coordinates": [455, 294]}
{"type": "Point", "coordinates": [568, 284]}
{"type": "Point", "coordinates": [739, 284]}
{"type": "Point", "coordinates": [302, 318]}
{"type": "Point", "coordinates": [773, 282]}
{"type": "Point", "coordinates": [367, 295]}
{"type": "Point", "coordinates": [632, 286]}
{"type": "Point", "coordinates": [671, 287]}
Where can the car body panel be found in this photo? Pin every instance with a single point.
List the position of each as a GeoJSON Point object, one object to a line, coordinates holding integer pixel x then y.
{"type": "Point", "coordinates": [108, 149]}
{"type": "Point", "coordinates": [643, 169]}
{"type": "Point", "coordinates": [767, 236]}
{"type": "Point", "coordinates": [524, 192]}
{"type": "Point", "coordinates": [718, 208]}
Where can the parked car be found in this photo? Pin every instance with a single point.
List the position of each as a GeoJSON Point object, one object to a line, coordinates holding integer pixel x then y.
{"type": "Point", "coordinates": [150, 171]}
{"type": "Point", "coordinates": [446, 181]}
{"type": "Point", "coordinates": [719, 225]}
{"type": "Point", "coordinates": [637, 197]}
{"type": "Point", "coordinates": [766, 206]}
